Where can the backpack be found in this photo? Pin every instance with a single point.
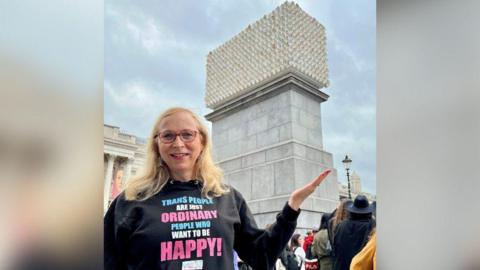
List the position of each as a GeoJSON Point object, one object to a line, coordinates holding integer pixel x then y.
{"type": "Point", "coordinates": [289, 259]}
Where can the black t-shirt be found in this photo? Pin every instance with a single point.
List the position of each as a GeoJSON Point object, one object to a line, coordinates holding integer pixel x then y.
{"type": "Point", "coordinates": [179, 229]}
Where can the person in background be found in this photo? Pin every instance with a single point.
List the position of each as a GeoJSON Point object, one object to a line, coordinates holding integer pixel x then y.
{"type": "Point", "coordinates": [117, 184]}
{"type": "Point", "coordinates": [366, 259]}
{"type": "Point", "coordinates": [311, 262]}
{"type": "Point", "coordinates": [321, 247]}
{"type": "Point", "coordinates": [340, 214]}
{"type": "Point", "coordinates": [296, 244]}
{"type": "Point", "coordinates": [308, 240]}
{"type": "Point", "coordinates": [352, 234]}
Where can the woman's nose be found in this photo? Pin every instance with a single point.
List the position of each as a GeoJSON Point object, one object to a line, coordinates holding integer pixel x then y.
{"type": "Point", "coordinates": [178, 141]}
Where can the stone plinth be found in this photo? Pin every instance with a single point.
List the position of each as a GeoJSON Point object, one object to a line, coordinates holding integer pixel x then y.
{"type": "Point", "coordinates": [269, 142]}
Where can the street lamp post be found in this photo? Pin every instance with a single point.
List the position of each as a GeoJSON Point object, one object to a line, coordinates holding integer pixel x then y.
{"type": "Point", "coordinates": [346, 163]}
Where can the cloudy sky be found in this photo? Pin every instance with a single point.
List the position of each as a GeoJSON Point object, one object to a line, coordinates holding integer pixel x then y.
{"type": "Point", "coordinates": [155, 55]}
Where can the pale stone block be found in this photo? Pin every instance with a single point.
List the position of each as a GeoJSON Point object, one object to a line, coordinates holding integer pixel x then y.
{"type": "Point", "coordinates": [262, 182]}
{"type": "Point", "coordinates": [279, 152]}
{"type": "Point", "coordinates": [317, 155]}
{"type": "Point", "coordinates": [300, 150]}
{"type": "Point", "coordinates": [324, 205]}
{"type": "Point", "coordinates": [253, 159]}
{"type": "Point", "coordinates": [313, 154]}
{"type": "Point", "coordinates": [295, 114]}
{"type": "Point", "coordinates": [220, 125]}
{"type": "Point", "coordinates": [250, 114]}
{"type": "Point", "coordinates": [242, 181]}
{"type": "Point", "coordinates": [236, 132]}
{"type": "Point", "coordinates": [227, 151]}
{"type": "Point", "coordinates": [314, 138]}
{"type": "Point", "coordinates": [217, 152]}
{"type": "Point", "coordinates": [226, 179]}
{"type": "Point", "coordinates": [235, 149]}
{"type": "Point", "coordinates": [304, 172]}
{"type": "Point", "coordinates": [327, 158]}
{"type": "Point", "coordinates": [278, 117]}
{"type": "Point", "coordinates": [297, 99]}
{"type": "Point", "coordinates": [270, 205]}
{"type": "Point", "coordinates": [307, 120]}
{"type": "Point", "coordinates": [299, 132]}
{"type": "Point", "coordinates": [220, 138]}
{"type": "Point", "coordinates": [231, 165]}
{"type": "Point", "coordinates": [318, 120]}
{"type": "Point", "coordinates": [284, 176]}
{"type": "Point", "coordinates": [329, 187]}
{"type": "Point", "coordinates": [308, 220]}
{"type": "Point", "coordinates": [332, 186]}
{"type": "Point", "coordinates": [312, 106]}
{"type": "Point", "coordinates": [321, 191]}
{"type": "Point", "coordinates": [266, 106]}
{"type": "Point", "coordinates": [257, 125]}
{"type": "Point", "coordinates": [268, 137]}
{"type": "Point", "coordinates": [285, 132]}
{"type": "Point", "coordinates": [248, 143]}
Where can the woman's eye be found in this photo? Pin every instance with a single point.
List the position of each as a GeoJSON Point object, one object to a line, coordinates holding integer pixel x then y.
{"type": "Point", "coordinates": [187, 135]}
{"type": "Point", "coordinates": [168, 136]}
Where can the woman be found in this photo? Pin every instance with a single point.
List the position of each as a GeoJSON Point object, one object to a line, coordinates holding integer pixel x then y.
{"type": "Point", "coordinates": [117, 184]}
{"type": "Point", "coordinates": [322, 248]}
{"type": "Point", "coordinates": [340, 214]}
{"type": "Point", "coordinates": [296, 246]}
{"type": "Point", "coordinates": [178, 214]}
{"type": "Point", "coordinates": [352, 234]}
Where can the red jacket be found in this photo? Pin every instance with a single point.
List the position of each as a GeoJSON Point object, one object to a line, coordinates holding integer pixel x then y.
{"type": "Point", "coordinates": [307, 242]}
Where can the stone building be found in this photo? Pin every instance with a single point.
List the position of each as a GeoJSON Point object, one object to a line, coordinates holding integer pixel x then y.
{"type": "Point", "coordinates": [123, 156]}
{"type": "Point", "coordinates": [355, 181]}
{"type": "Point", "coordinates": [263, 86]}
{"type": "Point", "coordinates": [355, 188]}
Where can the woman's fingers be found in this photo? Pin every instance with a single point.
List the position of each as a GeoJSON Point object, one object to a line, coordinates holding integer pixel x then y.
{"type": "Point", "coordinates": [317, 181]}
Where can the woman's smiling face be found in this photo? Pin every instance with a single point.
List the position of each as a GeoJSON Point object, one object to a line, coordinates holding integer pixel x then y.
{"type": "Point", "coordinates": [180, 155]}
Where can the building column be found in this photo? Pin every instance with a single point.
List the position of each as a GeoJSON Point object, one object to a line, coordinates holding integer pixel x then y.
{"type": "Point", "coordinates": [128, 169]}
{"type": "Point", "coordinates": [108, 181]}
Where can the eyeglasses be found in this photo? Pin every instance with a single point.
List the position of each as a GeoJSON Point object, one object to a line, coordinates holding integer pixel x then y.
{"type": "Point", "coordinates": [170, 136]}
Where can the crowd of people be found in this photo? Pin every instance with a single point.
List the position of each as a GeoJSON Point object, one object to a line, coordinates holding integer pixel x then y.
{"type": "Point", "coordinates": [344, 240]}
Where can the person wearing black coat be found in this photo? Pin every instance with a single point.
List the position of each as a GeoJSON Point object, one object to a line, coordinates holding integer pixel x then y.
{"type": "Point", "coordinates": [352, 234]}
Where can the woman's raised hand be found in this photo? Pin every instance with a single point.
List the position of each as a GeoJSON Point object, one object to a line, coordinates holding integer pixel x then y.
{"type": "Point", "coordinates": [299, 195]}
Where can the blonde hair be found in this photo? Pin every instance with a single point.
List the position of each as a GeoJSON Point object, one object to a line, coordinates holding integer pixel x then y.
{"type": "Point", "coordinates": [156, 173]}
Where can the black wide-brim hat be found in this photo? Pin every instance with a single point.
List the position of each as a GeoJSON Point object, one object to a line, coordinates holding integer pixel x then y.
{"type": "Point", "coordinates": [360, 205]}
